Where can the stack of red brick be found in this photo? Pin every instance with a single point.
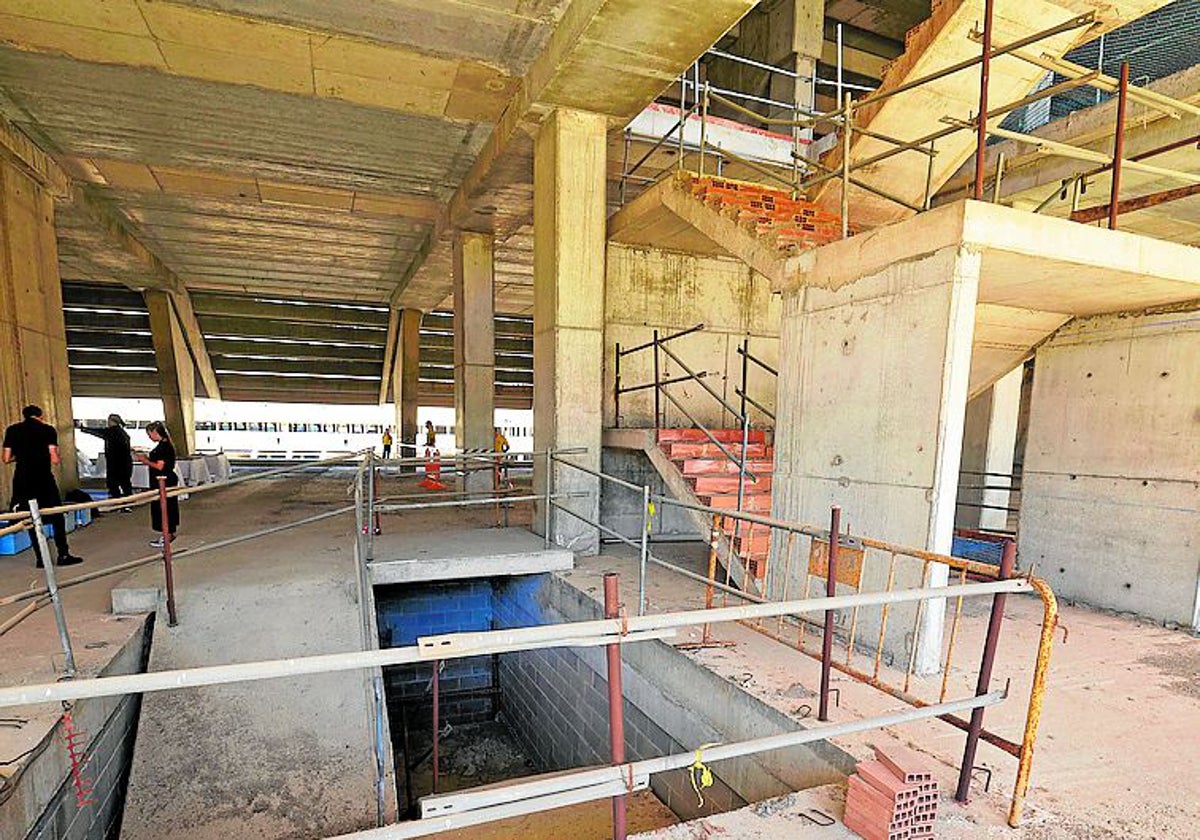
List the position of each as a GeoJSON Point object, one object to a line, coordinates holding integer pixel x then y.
{"type": "Point", "coordinates": [894, 797]}
{"type": "Point", "coordinates": [770, 213]}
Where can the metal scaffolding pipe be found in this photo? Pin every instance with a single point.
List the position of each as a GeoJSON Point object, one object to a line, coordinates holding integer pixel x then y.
{"type": "Point", "coordinates": [457, 645]}
{"type": "Point", "coordinates": [480, 798]}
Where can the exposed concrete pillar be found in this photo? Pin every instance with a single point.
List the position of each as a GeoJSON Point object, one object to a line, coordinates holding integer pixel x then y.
{"type": "Point", "coordinates": [989, 444]}
{"type": "Point", "coordinates": [568, 312]}
{"type": "Point", "coordinates": [406, 379]}
{"type": "Point", "coordinates": [474, 348]}
{"type": "Point", "coordinates": [1110, 501]}
{"type": "Point", "coordinates": [808, 40]}
{"type": "Point", "coordinates": [176, 372]}
{"type": "Point", "coordinates": [33, 338]}
{"type": "Point", "coordinates": [872, 391]}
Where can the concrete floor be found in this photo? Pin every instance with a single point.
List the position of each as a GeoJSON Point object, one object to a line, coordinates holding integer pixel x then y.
{"type": "Point", "coordinates": [1122, 696]}
{"type": "Point", "coordinates": [1113, 759]}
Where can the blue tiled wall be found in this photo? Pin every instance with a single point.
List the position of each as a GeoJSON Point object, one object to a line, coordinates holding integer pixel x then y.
{"type": "Point", "coordinates": [407, 612]}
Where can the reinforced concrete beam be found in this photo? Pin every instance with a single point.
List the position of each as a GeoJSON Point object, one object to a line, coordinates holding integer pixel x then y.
{"type": "Point", "coordinates": [176, 374]}
{"type": "Point", "coordinates": [609, 57]}
{"type": "Point", "coordinates": [227, 47]}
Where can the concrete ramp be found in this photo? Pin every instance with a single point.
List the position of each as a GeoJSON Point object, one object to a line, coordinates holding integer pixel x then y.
{"type": "Point", "coordinates": [272, 759]}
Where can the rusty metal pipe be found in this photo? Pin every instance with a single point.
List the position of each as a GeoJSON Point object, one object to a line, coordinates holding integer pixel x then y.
{"type": "Point", "coordinates": [998, 741]}
{"type": "Point", "coordinates": [1037, 692]}
{"type": "Point", "coordinates": [1008, 562]}
{"type": "Point", "coordinates": [835, 527]}
{"type": "Point", "coordinates": [168, 569]}
{"type": "Point", "coordinates": [437, 666]}
{"type": "Point", "coordinates": [985, 73]}
{"type": "Point", "coordinates": [712, 573]}
{"type": "Point", "coordinates": [1114, 206]}
{"type": "Point", "coordinates": [616, 711]}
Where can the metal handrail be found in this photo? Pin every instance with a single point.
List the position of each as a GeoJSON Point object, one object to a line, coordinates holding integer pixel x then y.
{"type": "Point", "coordinates": [703, 385]}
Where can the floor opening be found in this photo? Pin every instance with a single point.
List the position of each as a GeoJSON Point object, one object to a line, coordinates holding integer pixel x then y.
{"type": "Point", "coordinates": [507, 716]}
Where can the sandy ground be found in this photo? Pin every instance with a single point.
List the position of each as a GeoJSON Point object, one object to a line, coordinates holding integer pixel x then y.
{"type": "Point", "coordinates": [1116, 757]}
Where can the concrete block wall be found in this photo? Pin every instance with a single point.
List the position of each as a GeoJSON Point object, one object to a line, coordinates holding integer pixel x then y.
{"type": "Point", "coordinates": [621, 508]}
{"type": "Point", "coordinates": [557, 702]}
{"type": "Point", "coordinates": [648, 289]}
{"type": "Point", "coordinates": [1110, 509]}
{"type": "Point", "coordinates": [407, 612]}
{"type": "Point", "coordinates": [110, 726]}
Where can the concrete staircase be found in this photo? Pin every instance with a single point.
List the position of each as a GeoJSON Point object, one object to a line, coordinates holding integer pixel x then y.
{"type": "Point", "coordinates": [713, 478]}
{"type": "Point", "coordinates": [764, 227]}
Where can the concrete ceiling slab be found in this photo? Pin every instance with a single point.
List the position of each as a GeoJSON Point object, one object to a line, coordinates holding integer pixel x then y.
{"type": "Point", "coordinates": [234, 48]}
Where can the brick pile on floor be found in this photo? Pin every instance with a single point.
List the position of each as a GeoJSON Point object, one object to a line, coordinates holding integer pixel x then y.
{"type": "Point", "coordinates": [892, 797]}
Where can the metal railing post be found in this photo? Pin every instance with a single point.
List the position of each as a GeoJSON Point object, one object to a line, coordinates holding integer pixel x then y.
{"type": "Point", "coordinates": [703, 126]}
{"type": "Point", "coordinates": [1118, 147]}
{"type": "Point", "coordinates": [437, 666]}
{"type": "Point", "coordinates": [168, 570]}
{"type": "Point", "coordinates": [657, 398]}
{"type": "Point", "coordinates": [835, 526]}
{"type": "Point", "coordinates": [616, 711]}
{"type": "Point", "coordinates": [1008, 562]}
{"type": "Point", "coordinates": [370, 523]}
{"type": "Point", "coordinates": [745, 375]}
{"type": "Point", "coordinates": [847, 119]}
{"type": "Point", "coordinates": [549, 491]}
{"type": "Point", "coordinates": [625, 165]}
{"type": "Point", "coordinates": [617, 388]}
{"type": "Point", "coordinates": [645, 550]}
{"type": "Point", "coordinates": [985, 69]}
{"type": "Point", "coordinates": [60, 617]}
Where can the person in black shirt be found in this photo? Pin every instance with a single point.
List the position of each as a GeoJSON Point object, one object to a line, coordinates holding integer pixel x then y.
{"type": "Point", "coordinates": [33, 446]}
{"type": "Point", "coordinates": [161, 462]}
{"type": "Point", "coordinates": [118, 457]}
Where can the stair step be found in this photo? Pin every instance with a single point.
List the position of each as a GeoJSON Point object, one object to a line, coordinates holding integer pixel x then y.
{"type": "Point", "coordinates": [715, 484]}
{"type": "Point", "coordinates": [691, 449]}
{"type": "Point", "coordinates": [708, 466]}
{"type": "Point", "coordinates": [751, 502]}
{"type": "Point", "coordinates": [723, 435]}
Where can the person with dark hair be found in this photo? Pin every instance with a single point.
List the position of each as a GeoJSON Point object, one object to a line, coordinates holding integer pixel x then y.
{"type": "Point", "coordinates": [161, 463]}
{"type": "Point", "coordinates": [118, 457]}
{"type": "Point", "coordinates": [33, 446]}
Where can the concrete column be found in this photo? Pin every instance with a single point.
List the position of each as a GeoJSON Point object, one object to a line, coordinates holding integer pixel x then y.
{"type": "Point", "coordinates": [33, 338]}
{"type": "Point", "coordinates": [808, 39]}
{"type": "Point", "coordinates": [176, 371]}
{"type": "Point", "coordinates": [568, 312]}
{"type": "Point", "coordinates": [1110, 501]}
{"type": "Point", "coordinates": [474, 348]}
{"type": "Point", "coordinates": [406, 378]}
{"type": "Point", "coordinates": [872, 391]}
{"type": "Point", "coordinates": [989, 445]}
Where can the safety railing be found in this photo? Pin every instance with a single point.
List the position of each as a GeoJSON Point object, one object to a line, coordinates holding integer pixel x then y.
{"type": "Point", "coordinates": [862, 566]}
{"type": "Point", "coordinates": [37, 519]}
{"type": "Point", "coordinates": [441, 812]}
{"type": "Point", "coordinates": [852, 116]}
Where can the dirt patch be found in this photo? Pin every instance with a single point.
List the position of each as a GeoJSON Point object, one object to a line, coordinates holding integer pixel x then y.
{"type": "Point", "coordinates": [1182, 664]}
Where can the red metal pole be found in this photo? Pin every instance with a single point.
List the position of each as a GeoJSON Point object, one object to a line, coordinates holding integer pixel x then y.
{"type": "Point", "coordinates": [1114, 208]}
{"type": "Point", "coordinates": [436, 723]}
{"type": "Point", "coordinates": [985, 71]}
{"type": "Point", "coordinates": [835, 525]}
{"type": "Point", "coordinates": [166, 538]}
{"type": "Point", "coordinates": [1008, 562]}
{"type": "Point", "coordinates": [616, 711]}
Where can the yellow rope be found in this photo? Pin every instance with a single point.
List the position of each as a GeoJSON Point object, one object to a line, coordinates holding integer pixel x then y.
{"type": "Point", "coordinates": [700, 775]}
